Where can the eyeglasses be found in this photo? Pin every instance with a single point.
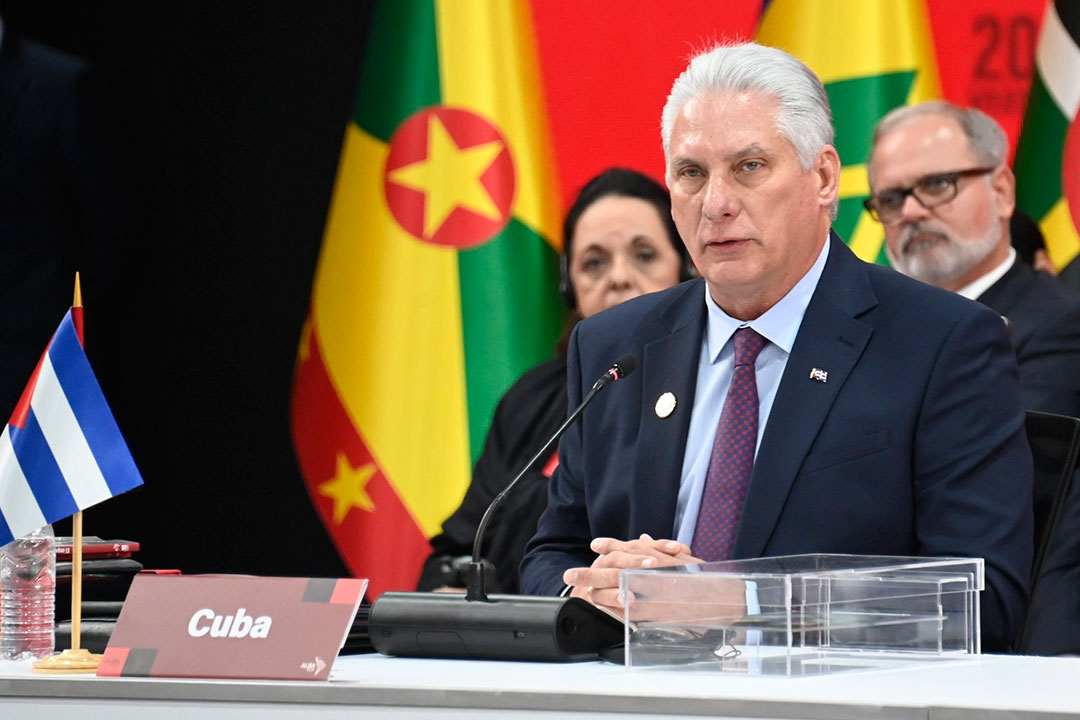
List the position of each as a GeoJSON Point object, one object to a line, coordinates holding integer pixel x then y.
{"type": "Point", "coordinates": [930, 191]}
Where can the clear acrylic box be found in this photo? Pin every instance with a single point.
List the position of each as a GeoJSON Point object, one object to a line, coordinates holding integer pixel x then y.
{"type": "Point", "coordinates": [802, 614]}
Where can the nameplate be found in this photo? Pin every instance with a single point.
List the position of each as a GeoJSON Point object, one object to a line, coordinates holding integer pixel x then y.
{"type": "Point", "coordinates": [232, 626]}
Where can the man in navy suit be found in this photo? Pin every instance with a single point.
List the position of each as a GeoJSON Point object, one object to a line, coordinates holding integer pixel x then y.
{"type": "Point", "coordinates": [885, 414]}
{"type": "Point", "coordinates": [944, 193]}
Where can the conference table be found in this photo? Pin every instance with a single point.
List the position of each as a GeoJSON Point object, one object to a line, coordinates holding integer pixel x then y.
{"type": "Point", "coordinates": [373, 686]}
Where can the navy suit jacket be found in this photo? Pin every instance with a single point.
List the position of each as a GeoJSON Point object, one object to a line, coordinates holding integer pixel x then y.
{"type": "Point", "coordinates": [1045, 317]}
{"type": "Point", "coordinates": [915, 445]}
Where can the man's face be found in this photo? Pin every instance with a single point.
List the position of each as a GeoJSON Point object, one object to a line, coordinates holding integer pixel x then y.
{"type": "Point", "coordinates": [752, 219]}
{"type": "Point", "coordinates": [954, 243]}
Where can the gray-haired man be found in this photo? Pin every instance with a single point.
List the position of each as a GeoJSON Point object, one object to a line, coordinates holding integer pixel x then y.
{"type": "Point", "coordinates": [793, 399]}
{"type": "Point", "coordinates": [944, 194]}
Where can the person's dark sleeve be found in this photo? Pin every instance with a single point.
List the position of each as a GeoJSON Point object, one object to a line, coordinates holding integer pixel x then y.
{"type": "Point", "coordinates": [514, 526]}
{"type": "Point", "coordinates": [973, 469]}
{"type": "Point", "coordinates": [1050, 362]}
{"type": "Point", "coordinates": [563, 534]}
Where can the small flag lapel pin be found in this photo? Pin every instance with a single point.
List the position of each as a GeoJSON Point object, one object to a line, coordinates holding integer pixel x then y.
{"type": "Point", "coordinates": [819, 375]}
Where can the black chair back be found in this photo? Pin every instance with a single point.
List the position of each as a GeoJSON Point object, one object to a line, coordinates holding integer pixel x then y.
{"type": "Point", "coordinates": [1055, 446]}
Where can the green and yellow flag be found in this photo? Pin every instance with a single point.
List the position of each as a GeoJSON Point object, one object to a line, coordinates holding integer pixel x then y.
{"type": "Point", "coordinates": [437, 282]}
{"type": "Point", "coordinates": [1048, 155]}
{"type": "Point", "coordinates": [873, 56]}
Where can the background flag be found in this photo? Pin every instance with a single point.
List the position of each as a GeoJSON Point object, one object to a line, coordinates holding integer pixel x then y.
{"type": "Point", "coordinates": [437, 281]}
{"type": "Point", "coordinates": [1048, 155]}
{"type": "Point", "coordinates": [873, 56]}
{"type": "Point", "coordinates": [608, 66]}
{"type": "Point", "coordinates": [61, 452]}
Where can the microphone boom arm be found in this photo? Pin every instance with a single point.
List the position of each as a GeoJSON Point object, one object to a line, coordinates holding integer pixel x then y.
{"type": "Point", "coordinates": [475, 583]}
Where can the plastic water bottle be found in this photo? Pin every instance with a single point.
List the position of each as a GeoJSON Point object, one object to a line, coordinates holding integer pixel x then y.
{"type": "Point", "coordinates": [28, 596]}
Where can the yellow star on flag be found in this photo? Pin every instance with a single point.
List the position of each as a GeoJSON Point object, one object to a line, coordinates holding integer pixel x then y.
{"type": "Point", "coordinates": [347, 488]}
{"type": "Point", "coordinates": [450, 177]}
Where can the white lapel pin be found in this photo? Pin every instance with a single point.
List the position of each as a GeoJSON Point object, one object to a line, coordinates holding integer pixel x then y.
{"type": "Point", "coordinates": [819, 375]}
{"type": "Point", "coordinates": [665, 405]}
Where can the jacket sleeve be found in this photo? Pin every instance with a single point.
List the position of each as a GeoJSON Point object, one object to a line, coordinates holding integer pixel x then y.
{"type": "Point", "coordinates": [1050, 361]}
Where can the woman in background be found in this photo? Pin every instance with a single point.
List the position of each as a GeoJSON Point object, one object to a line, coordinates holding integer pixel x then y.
{"type": "Point", "coordinates": [619, 242]}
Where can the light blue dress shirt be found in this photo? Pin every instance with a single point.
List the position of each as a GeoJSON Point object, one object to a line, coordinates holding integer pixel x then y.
{"type": "Point", "coordinates": [716, 365]}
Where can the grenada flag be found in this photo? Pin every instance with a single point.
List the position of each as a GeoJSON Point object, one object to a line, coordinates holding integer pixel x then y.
{"type": "Point", "coordinates": [437, 281]}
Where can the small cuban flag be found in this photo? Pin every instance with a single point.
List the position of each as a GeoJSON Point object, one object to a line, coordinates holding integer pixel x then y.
{"type": "Point", "coordinates": [61, 452]}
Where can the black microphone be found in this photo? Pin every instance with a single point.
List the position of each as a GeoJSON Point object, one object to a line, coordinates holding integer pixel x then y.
{"type": "Point", "coordinates": [504, 627]}
{"type": "Point", "coordinates": [475, 584]}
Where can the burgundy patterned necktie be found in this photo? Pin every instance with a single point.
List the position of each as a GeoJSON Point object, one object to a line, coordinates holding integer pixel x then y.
{"type": "Point", "coordinates": [732, 459]}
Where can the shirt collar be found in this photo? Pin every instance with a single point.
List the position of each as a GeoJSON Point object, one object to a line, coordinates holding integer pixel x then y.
{"type": "Point", "coordinates": [981, 284]}
{"type": "Point", "coordinates": [779, 324]}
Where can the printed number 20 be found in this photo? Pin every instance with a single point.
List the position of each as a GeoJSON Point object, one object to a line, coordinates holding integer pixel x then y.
{"type": "Point", "coordinates": [1016, 42]}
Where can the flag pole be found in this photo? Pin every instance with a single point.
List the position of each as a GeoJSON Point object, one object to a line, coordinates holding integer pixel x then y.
{"type": "Point", "coordinates": [76, 523]}
{"type": "Point", "coordinates": [76, 659]}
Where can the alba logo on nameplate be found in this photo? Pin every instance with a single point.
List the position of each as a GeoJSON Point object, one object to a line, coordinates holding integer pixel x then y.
{"type": "Point", "coordinates": [232, 626]}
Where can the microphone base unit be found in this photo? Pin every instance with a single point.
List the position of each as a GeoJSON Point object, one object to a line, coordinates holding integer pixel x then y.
{"type": "Point", "coordinates": [505, 627]}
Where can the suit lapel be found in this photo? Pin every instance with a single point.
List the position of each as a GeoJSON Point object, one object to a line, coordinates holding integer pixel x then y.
{"type": "Point", "coordinates": [669, 364]}
{"type": "Point", "coordinates": [830, 338]}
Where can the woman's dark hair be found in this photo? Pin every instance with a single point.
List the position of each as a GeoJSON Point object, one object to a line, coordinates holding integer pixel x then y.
{"type": "Point", "coordinates": [617, 182]}
{"type": "Point", "coordinates": [622, 182]}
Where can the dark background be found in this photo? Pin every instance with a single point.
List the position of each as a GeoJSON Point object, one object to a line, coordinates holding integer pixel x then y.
{"type": "Point", "coordinates": [228, 119]}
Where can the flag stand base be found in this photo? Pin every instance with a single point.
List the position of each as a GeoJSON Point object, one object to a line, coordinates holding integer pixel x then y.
{"type": "Point", "coordinates": [69, 661]}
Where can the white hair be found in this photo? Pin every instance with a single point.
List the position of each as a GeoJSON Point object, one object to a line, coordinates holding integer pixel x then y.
{"type": "Point", "coordinates": [802, 116]}
{"type": "Point", "coordinates": [985, 137]}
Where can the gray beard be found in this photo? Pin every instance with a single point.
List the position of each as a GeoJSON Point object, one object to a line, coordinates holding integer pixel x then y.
{"type": "Point", "coordinates": [942, 263]}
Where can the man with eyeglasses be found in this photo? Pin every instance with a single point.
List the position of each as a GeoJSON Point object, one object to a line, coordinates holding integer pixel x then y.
{"type": "Point", "coordinates": [941, 188]}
